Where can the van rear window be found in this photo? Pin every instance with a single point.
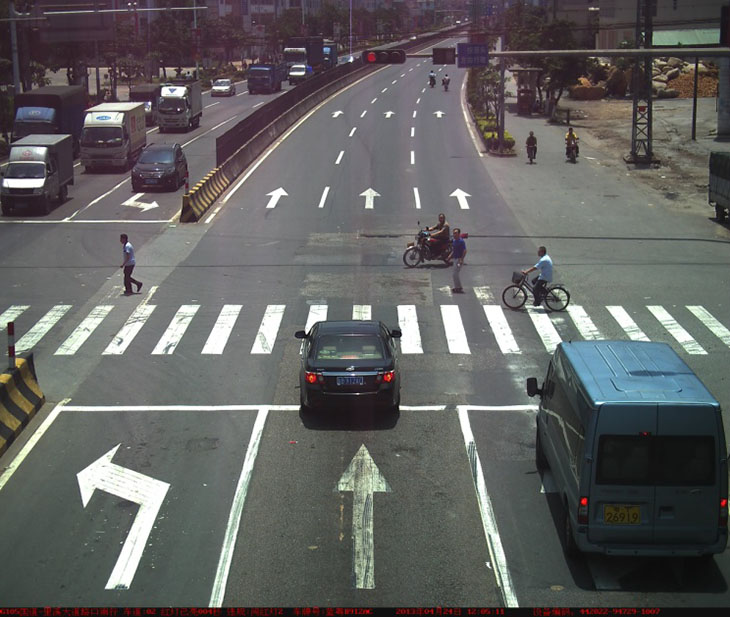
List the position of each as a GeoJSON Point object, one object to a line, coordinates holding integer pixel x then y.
{"type": "Point", "coordinates": [656, 460]}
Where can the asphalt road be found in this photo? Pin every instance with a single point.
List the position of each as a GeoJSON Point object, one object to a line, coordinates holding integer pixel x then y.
{"type": "Point", "coordinates": [184, 398]}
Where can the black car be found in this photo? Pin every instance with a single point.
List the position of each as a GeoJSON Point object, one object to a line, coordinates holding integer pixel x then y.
{"type": "Point", "coordinates": [349, 363]}
{"type": "Point", "coordinates": [160, 165]}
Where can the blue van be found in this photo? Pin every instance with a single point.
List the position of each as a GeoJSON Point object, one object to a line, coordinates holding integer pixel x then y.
{"type": "Point", "coordinates": [636, 445]}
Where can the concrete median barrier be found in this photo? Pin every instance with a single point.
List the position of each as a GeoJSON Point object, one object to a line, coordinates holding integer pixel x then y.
{"type": "Point", "coordinates": [20, 399]}
{"type": "Point", "coordinates": [203, 195]}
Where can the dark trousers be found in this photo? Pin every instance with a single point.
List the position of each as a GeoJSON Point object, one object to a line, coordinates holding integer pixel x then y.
{"type": "Point", "coordinates": [128, 280]}
{"type": "Point", "coordinates": [539, 290]}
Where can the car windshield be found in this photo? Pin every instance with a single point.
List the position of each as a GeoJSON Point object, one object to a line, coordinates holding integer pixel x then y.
{"type": "Point", "coordinates": [156, 156]}
{"type": "Point", "coordinates": [349, 347]}
{"type": "Point", "coordinates": [101, 134]}
{"type": "Point", "coordinates": [222, 82]}
{"type": "Point", "coordinates": [25, 170]}
{"type": "Point", "coordinates": [172, 105]}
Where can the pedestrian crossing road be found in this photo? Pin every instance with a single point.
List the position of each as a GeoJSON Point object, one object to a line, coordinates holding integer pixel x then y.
{"type": "Point", "coordinates": [115, 329]}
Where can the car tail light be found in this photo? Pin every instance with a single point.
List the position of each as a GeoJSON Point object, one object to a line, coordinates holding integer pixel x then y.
{"type": "Point", "coordinates": [310, 377]}
{"type": "Point", "coordinates": [723, 512]}
{"type": "Point", "coordinates": [583, 511]}
{"type": "Point", "coordinates": [386, 377]}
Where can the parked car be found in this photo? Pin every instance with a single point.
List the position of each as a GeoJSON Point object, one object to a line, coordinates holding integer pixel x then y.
{"type": "Point", "coordinates": [223, 87]}
{"type": "Point", "coordinates": [160, 165]}
{"type": "Point", "coordinates": [299, 72]}
{"type": "Point", "coordinates": [349, 363]}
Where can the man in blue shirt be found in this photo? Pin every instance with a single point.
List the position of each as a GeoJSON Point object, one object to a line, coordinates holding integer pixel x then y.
{"type": "Point", "coordinates": [458, 252]}
{"type": "Point", "coordinates": [545, 266]}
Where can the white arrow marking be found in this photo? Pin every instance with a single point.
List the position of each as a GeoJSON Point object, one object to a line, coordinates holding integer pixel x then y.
{"type": "Point", "coordinates": [439, 114]}
{"type": "Point", "coordinates": [135, 203]}
{"type": "Point", "coordinates": [275, 197]}
{"type": "Point", "coordinates": [461, 198]}
{"type": "Point", "coordinates": [388, 114]}
{"type": "Point", "coordinates": [337, 113]}
{"type": "Point", "coordinates": [369, 196]}
{"type": "Point", "coordinates": [149, 493]}
{"type": "Point", "coordinates": [363, 478]}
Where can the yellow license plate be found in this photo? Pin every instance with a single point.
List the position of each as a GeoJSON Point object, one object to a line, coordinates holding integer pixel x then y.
{"type": "Point", "coordinates": [617, 514]}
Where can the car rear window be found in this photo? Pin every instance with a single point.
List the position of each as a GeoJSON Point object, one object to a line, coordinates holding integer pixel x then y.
{"type": "Point", "coordinates": [156, 156]}
{"type": "Point", "coordinates": [656, 460]}
{"type": "Point", "coordinates": [349, 347]}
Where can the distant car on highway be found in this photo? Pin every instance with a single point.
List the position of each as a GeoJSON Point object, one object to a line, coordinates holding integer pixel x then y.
{"type": "Point", "coordinates": [347, 364]}
{"type": "Point", "coordinates": [223, 87]}
{"type": "Point", "coordinates": [298, 73]}
{"type": "Point", "coordinates": [160, 166]}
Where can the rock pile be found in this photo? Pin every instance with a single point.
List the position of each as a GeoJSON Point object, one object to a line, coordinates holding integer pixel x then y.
{"type": "Point", "coordinates": [671, 77]}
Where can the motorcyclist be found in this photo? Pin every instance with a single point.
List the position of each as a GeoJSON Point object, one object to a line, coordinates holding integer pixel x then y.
{"type": "Point", "coordinates": [571, 139]}
{"type": "Point", "coordinates": [446, 81]}
{"type": "Point", "coordinates": [432, 78]}
{"type": "Point", "coordinates": [439, 238]}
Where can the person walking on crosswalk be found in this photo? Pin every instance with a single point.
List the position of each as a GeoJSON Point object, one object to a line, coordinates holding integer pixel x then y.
{"type": "Point", "coordinates": [458, 252]}
{"type": "Point", "coordinates": [128, 265]}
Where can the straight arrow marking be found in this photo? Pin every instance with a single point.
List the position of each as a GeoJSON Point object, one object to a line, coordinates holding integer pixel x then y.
{"type": "Point", "coordinates": [461, 198]}
{"type": "Point", "coordinates": [363, 478]}
{"type": "Point", "coordinates": [275, 197]}
{"type": "Point", "coordinates": [337, 113]}
{"type": "Point", "coordinates": [147, 492]}
{"type": "Point", "coordinates": [369, 196]}
{"type": "Point", "coordinates": [439, 114]}
{"type": "Point", "coordinates": [388, 114]}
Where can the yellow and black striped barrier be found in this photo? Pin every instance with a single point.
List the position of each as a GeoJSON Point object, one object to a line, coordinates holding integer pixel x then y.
{"type": "Point", "coordinates": [203, 195]}
{"type": "Point", "coordinates": [20, 399]}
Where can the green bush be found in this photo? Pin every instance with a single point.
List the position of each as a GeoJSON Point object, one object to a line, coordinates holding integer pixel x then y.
{"type": "Point", "coordinates": [493, 142]}
{"type": "Point", "coordinates": [4, 147]}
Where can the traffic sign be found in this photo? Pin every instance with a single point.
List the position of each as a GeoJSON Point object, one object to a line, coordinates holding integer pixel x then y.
{"type": "Point", "coordinates": [472, 54]}
{"type": "Point", "coordinates": [444, 55]}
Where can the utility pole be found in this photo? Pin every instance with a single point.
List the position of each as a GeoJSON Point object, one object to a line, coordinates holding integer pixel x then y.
{"type": "Point", "coordinates": [641, 146]}
{"type": "Point", "coordinates": [14, 46]}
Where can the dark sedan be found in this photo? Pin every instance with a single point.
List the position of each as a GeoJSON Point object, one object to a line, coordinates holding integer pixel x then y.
{"type": "Point", "coordinates": [349, 363]}
{"type": "Point", "coordinates": [160, 165]}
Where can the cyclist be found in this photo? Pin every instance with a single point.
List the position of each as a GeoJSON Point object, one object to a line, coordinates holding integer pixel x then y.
{"type": "Point", "coordinates": [571, 139]}
{"type": "Point", "coordinates": [545, 266]}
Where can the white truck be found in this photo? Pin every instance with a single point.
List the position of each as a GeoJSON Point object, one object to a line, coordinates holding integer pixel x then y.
{"type": "Point", "coordinates": [113, 135]}
{"type": "Point", "coordinates": [39, 170]}
{"type": "Point", "coordinates": [180, 106]}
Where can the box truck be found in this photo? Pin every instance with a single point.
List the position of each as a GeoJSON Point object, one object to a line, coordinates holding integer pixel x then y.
{"type": "Point", "coordinates": [148, 94]}
{"type": "Point", "coordinates": [180, 106]}
{"type": "Point", "coordinates": [51, 110]}
{"type": "Point", "coordinates": [113, 136]}
{"type": "Point", "coordinates": [265, 77]}
{"type": "Point", "coordinates": [39, 170]}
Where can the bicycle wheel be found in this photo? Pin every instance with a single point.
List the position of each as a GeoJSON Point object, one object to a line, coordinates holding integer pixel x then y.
{"type": "Point", "coordinates": [514, 296]}
{"type": "Point", "coordinates": [412, 257]}
{"type": "Point", "coordinates": [557, 298]}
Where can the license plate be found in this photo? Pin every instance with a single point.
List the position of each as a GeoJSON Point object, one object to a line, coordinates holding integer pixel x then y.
{"type": "Point", "coordinates": [350, 381]}
{"type": "Point", "coordinates": [151, 181]}
{"type": "Point", "coordinates": [619, 514]}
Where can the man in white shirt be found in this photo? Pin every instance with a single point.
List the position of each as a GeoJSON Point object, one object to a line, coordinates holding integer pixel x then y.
{"type": "Point", "coordinates": [545, 266]}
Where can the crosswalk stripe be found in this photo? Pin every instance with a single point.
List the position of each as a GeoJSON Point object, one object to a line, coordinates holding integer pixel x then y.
{"type": "Point", "coordinates": [484, 295]}
{"type": "Point", "coordinates": [585, 324]}
{"type": "Point", "coordinates": [84, 330]}
{"type": "Point", "coordinates": [362, 312]}
{"type": "Point", "coordinates": [410, 342]}
{"type": "Point", "coordinates": [41, 328]}
{"type": "Point", "coordinates": [500, 328]}
{"type": "Point", "coordinates": [713, 325]}
{"type": "Point", "coordinates": [222, 329]}
{"type": "Point", "coordinates": [681, 335]}
{"type": "Point", "coordinates": [130, 329]}
{"type": "Point", "coordinates": [627, 323]}
{"type": "Point", "coordinates": [266, 336]}
{"type": "Point", "coordinates": [454, 328]}
{"type": "Point", "coordinates": [15, 311]}
{"type": "Point", "coordinates": [317, 312]}
{"type": "Point", "coordinates": [178, 325]}
{"type": "Point", "coordinates": [545, 328]}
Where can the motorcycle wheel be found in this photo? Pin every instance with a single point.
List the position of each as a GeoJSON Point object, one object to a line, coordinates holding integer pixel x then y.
{"type": "Point", "coordinates": [412, 257]}
{"type": "Point", "coordinates": [514, 296]}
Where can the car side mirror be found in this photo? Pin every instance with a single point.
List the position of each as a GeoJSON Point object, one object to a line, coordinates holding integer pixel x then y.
{"type": "Point", "coordinates": [532, 388]}
{"type": "Point", "coordinates": [300, 334]}
{"type": "Point", "coordinates": [396, 333]}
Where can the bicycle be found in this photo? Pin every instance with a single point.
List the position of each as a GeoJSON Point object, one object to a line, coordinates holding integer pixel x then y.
{"type": "Point", "coordinates": [556, 297]}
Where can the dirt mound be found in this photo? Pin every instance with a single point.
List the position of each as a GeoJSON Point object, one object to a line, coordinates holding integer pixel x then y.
{"type": "Point", "coordinates": [706, 85]}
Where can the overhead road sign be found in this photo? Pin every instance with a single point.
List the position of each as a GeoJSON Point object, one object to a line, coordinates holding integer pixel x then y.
{"type": "Point", "coordinates": [444, 55]}
{"type": "Point", "coordinates": [472, 54]}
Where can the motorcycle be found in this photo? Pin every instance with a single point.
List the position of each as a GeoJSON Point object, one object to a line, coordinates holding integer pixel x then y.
{"type": "Point", "coordinates": [432, 80]}
{"type": "Point", "coordinates": [422, 250]}
{"type": "Point", "coordinates": [571, 152]}
{"type": "Point", "coordinates": [445, 83]}
{"type": "Point", "coordinates": [531, 153]}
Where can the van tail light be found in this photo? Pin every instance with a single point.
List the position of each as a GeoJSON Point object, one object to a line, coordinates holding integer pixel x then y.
{"type": "Point", "coordinates": [583, 511]}
{"type": "Point", "coordinates": [723, 513]}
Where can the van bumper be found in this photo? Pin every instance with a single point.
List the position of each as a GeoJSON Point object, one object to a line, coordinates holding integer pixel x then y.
{"type": "Point", "coordinates": [653, 550]}
{"type": "Point", "coordinates": [97, 160]}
